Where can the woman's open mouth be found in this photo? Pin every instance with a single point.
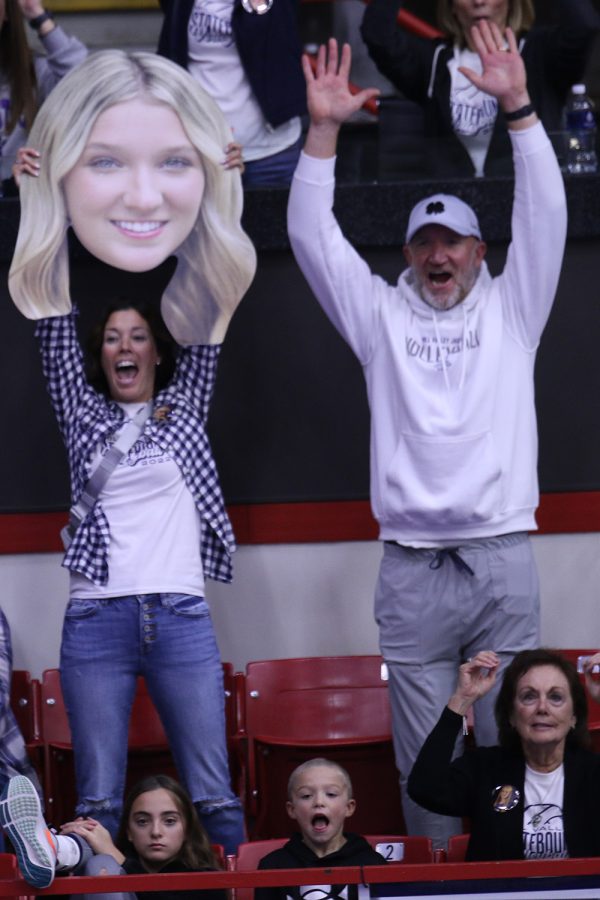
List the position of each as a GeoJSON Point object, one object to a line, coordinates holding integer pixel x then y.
{"type": "Point", "coordinates": [126, 371]}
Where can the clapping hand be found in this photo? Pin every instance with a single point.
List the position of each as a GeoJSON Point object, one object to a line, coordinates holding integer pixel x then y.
{"type": "Point", "coordinates": [476, 677]}
{"type": "Point", "coordinates": [329, 98]}
{"type": "Point", "coordinates": [31, 9]}
{"type": "Point", "coordinates": [503, 74]}
{"type": "Point", "coordinates": [592, 680]}
{"type": "Point", "coordinates": [328, 93]}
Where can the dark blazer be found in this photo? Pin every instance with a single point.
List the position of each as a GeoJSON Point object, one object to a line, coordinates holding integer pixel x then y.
{"type": "Point", "coordinates": [269, 49]}
{"type": "Point", "coordinates": [555, 58]}
{"type": "Point", "coordinates": [466, 786]}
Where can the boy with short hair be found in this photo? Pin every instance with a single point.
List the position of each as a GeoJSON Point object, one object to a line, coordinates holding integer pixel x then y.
{"type": "Point", "coordinates": [320, 800]}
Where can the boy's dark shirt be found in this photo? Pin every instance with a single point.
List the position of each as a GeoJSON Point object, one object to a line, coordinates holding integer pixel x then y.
{"type": "Point", "coordinates": [297, 855]}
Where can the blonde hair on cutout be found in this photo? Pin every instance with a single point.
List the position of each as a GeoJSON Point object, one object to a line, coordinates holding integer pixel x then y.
{"type": "Point", "coordinates": [216, 262]}
{"type": "Point", "coordinates": [520, 18]}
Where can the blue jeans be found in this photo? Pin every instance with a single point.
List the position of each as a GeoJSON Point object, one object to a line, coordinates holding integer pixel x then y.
{"type": "Point", "coordinates": [169, 639]}
{"type": "Point", "coordinates": [276, 169]}
{"type": "Point", "coordinates": [95, 865]}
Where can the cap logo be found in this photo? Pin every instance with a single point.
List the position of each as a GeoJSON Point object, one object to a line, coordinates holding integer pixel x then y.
{"type": "Point", "coordinates": [435, 208]}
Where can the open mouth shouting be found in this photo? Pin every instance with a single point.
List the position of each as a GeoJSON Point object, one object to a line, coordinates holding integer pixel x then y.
{"type": "Point", "coordinates": [320, 823]}
{"type": "Point", "coordinates": [126, 371]}
{"type": "Point", "coordinates": [440, 289]}
{"type": "Point", "coordinates": [129, 356]}
{"type": "Point", "coordinates": [439, 278]}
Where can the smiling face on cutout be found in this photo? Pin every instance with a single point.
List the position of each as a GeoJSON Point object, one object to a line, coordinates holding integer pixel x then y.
{"type": "Point", "coordinates": [134, 195]}
{"type": "Point", "coordinates": [320, 803]}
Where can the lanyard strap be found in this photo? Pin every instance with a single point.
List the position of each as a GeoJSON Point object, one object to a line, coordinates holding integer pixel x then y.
{"type": "Point", "coordinates": [102, 472]}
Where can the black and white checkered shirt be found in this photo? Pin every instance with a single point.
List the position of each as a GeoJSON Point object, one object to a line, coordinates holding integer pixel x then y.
{"type": "Point", "coordinates": [177, 426]}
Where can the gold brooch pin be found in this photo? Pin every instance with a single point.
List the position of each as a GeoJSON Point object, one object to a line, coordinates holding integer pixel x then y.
{"type": "Point", "coordinates": [161, 413]}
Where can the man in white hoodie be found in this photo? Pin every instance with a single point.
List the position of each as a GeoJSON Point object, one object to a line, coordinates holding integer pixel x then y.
{"type": "Point", "coordinates": [448, 355]}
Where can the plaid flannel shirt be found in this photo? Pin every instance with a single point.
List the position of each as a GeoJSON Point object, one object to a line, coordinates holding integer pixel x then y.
{"type": "Point", "coordinates": [177, 426]}
{"type": "Point", "coordinates": [13, 754]}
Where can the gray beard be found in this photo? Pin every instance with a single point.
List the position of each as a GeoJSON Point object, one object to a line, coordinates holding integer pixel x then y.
{"type": "Point", "coordinates": [456, 296]}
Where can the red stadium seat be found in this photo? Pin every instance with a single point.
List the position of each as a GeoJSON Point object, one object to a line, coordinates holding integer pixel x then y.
{"type": "Point", "coordinates": [336, 707]}
{"type": "Point", "coordinates": [247, 859]}
{"type": "Point", "coordinates": [457, 848]}
{"type": "Point", "coordinates": [10, 871]}
{"type": "Point", "coordinates": [26, 706]}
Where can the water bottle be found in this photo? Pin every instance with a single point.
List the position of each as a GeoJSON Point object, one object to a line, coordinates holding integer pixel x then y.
{"type": "Point", "coordinates": [581, 132]}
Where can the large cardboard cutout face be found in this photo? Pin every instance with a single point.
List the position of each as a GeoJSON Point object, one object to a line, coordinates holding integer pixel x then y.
{"type": "Point", "coordinates": [132, 152]}
{"type": "Point", "coordinates": [134, 195]}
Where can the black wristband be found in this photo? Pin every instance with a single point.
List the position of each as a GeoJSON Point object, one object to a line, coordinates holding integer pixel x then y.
{"type": "Point", "coordinates": [520, 113]}
{"type": "Point", "coordinates": [37, 23]}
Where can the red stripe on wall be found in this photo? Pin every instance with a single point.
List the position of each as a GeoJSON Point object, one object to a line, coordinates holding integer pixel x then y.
{"type": "Point", "coordinates": [569, 513]}
{"type": "Point", "coordinates": [292, 523]}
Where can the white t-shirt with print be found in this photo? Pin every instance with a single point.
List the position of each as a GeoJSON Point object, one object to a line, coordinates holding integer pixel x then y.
{"type": "Point", "coordinates": [214, 62]}
{"type": "Point", "coordinates": [473, 112]}
{"type": "Point", "coordinates": [543, 828]}
{"type": "Point", "coordinates": [155, 528]}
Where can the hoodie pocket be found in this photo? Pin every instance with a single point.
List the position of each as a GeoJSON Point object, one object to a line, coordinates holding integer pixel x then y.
{"type": "Point", "coordinates": [439, 482]}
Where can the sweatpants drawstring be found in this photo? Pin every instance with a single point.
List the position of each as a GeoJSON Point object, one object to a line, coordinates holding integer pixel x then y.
{"type": "Point", "coordinates": [454, 555]}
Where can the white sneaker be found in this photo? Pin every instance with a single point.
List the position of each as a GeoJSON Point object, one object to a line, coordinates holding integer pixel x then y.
{"type": "Point", "coordinates": [22, 819]}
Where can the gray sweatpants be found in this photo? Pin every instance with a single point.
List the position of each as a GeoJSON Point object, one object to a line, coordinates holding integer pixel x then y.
{"type": "Point", "coordinates": [433, 613]}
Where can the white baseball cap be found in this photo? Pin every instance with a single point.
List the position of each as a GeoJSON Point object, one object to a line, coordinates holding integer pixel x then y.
{"type": "Point", "coordinates": [443, 209]}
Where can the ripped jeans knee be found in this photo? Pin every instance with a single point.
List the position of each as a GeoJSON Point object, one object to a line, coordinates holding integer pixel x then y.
{"type": "Point", "coordinates": [103, 864]}
{"type": "Point", "coordinates": [208, 807]}
{"type": "Point", "coordinates": [223, 820]}
{"type": "Point", "coordinates": [107, 811]}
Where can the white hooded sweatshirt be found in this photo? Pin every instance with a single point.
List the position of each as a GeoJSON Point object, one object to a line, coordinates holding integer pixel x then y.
{"type": "Point", "coordinates": [453, 427]}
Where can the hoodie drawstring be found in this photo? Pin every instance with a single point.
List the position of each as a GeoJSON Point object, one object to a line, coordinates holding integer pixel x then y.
{"type": "Point", "coordinates": [443, 356]}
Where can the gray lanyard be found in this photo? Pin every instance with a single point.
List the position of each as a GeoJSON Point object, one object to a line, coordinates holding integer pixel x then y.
{"type": "Point", "coordinates": [107, 464]}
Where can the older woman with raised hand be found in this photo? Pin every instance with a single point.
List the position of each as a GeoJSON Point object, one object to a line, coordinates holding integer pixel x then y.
{"type": "Point", "coordinates": [132, 152]}
{"type": "Point", "coordinates": [537, 794]}
{"type": "Point", "coordinates": [26, 78]}
{"type": "Point", "coordinates": [466, 134]}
